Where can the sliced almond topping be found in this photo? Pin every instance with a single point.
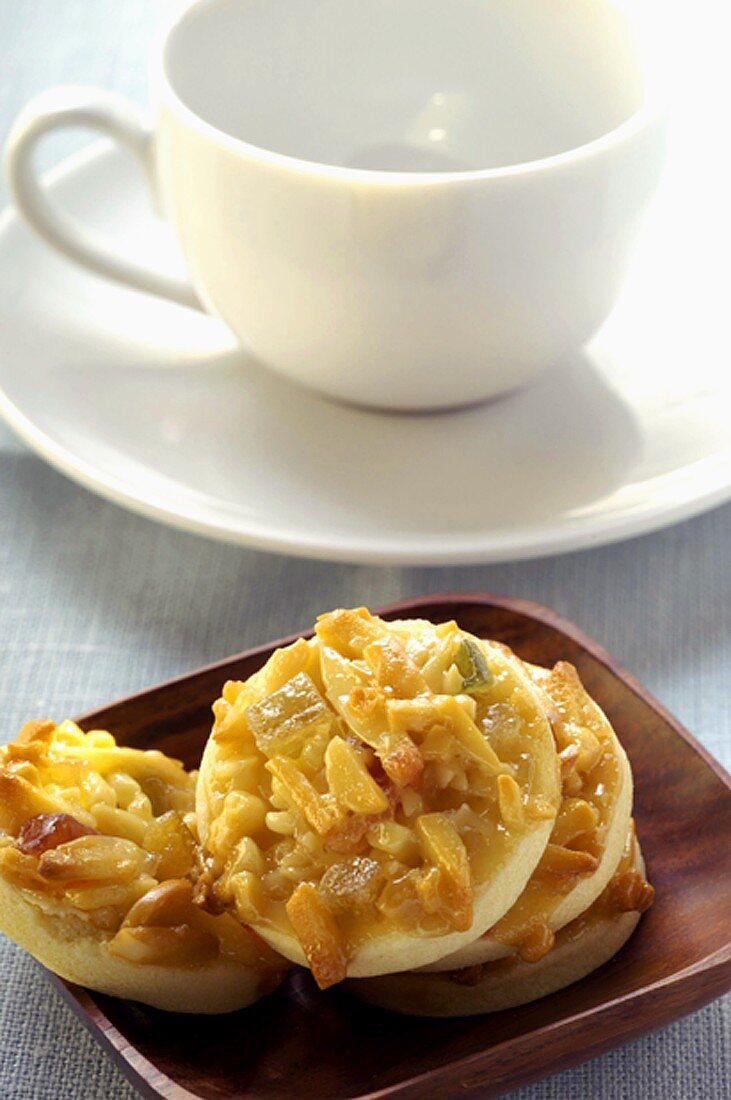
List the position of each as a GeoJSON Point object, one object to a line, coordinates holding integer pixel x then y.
{"type": "Point", "coordinates": [540, 809]}
{"type": "Point", "coordinates": [430, 889]}
{"type": "Point", "coordinates": [443, 846]}
{"type": "Point", "coordinates": [21, 800]}
{"type": "Point", "coordinates": [537, 943]}
{"type": "Point", "coordinates": [440, 715]}
{"type": "Point", "coordinates": [231, 690]}
{"type": "Point", "coordinates": [245, 886]}
{"type": "Point", "coordinates": [397, 840]}
{"type": "Point", "coordinates": [93, 858]}
{"type": "Point", "coordinates": [568, 758]}
{"type": "Point", "coordinates": [37, 730]}
{"type": "Point", "coordinates": [115, 822]}
{"type": "Point", "coordinates": [469, 735]}
{"type": "Point", "coordinates": [166, 904]}
{"type": "Point", "coordinates": [94, 896]}
{"type": "Point", "coordinates": [564, 861]}
{"type": "Point", "coordinates": [590, 750]}
{"type": "Point", "coordinates": [321, 813]}
{"type": "Point", "coordinates": [575, 817]}
{"type": "Point", "coordinates": [572, 785]}
{"type": "Point", "coordinates": [510, 802]}
{"type": "Point", "coordinates": [318, 933]}
{"type": "Point", "coordinates": [399, 756]}
{"type": "Point", "coordinates": [230, 725]}
{"type": "Point", "coordinates": [350, 781]}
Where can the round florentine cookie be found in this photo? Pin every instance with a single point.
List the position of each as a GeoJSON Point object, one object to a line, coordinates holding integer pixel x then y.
{"type": "Point", "coordinates": [96, 858]}
{"type": "Point", "coordinates": [588, 836]}
{"type": "Point", "coordinates": [375, 798]}
{"type": "Point", "coordinates": [581, 947]}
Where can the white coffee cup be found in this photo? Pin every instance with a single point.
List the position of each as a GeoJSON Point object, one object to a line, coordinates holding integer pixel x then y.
{"type": "Point", "coordinates": [401, 203]}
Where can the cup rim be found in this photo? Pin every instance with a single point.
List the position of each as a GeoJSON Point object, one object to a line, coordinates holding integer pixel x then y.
{"type": "Point", "coordinates": [652, 110]}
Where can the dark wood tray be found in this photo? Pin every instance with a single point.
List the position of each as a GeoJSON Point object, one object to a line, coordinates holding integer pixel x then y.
{"type": "Point", "coordinates": [322, 1046]}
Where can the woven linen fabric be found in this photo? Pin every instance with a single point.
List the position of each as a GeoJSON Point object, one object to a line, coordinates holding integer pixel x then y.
{"type": "Point", "coordinates": [96, 603]}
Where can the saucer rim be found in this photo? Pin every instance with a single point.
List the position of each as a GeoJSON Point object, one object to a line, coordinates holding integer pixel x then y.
{"type": "Point", "coordinates": [511, 544]}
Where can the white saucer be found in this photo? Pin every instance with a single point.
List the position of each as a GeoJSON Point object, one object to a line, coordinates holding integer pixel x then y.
{"type": "Point", "coordinates": [151, 406]}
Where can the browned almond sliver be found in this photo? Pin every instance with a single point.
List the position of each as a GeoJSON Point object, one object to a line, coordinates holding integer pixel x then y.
{"type": "Point", "coordinates": [320, 810]}
{"type": "Point", "coordinates": [319, 935]}
{"type": "Point", "coordinates": [167, 904]}
{"type": "Point", "coordinates": [565, 861]}
{"type": "Point", "coordinates": [94, 858]}
{"type": "Point", "coordinates": [445, 849]}
{"type": "Point", "coordinates": [37, 729]}
{"type": "Point", "coordinates": [510, 802]}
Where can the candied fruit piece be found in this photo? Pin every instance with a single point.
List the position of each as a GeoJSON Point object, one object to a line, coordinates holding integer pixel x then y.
{"type": "Point", "coordinates": [472, 666]}
{"type": "Point", "coordinates": [170, 839]}
{"type": "Point", "coordinates": [399, 900]}
{"type": "Point", "coordinates": [283, 721]}
{"type": "Point", "coordinates": [46, 831]}
{"type": "Point", "coordinates": [348, 836]}
{"type": "Point", "coordinates": [353, 885]}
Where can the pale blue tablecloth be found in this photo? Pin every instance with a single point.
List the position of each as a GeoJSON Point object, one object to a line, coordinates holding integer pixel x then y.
{"type": "Point", "coordinates": [96, 603]}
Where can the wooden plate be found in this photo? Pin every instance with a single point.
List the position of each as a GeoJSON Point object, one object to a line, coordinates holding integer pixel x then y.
{"type": "Point", "coordinates": [324, 1045]}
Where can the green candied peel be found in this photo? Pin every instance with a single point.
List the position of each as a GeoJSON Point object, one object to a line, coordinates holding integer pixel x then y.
{"type": "Point", "coordinates": [472, 666]}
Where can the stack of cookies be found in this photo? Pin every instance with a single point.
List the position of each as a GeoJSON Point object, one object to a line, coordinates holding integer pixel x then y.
{"type": "Point", "coordinates": [399, 806]}
{"type": "Point", "coordinates": [422, 813]}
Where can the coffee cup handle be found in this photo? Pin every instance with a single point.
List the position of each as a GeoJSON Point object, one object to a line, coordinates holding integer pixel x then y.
{"type": "Point", "coordinates": [113, 117]}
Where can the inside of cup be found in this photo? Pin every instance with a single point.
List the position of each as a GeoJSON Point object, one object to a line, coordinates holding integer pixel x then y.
{"type": "Point", "coordinates": [408, 85]}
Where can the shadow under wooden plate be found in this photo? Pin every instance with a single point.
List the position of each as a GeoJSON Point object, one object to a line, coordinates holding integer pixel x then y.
{"type": "Point", "coordinates": [327, 1046]}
